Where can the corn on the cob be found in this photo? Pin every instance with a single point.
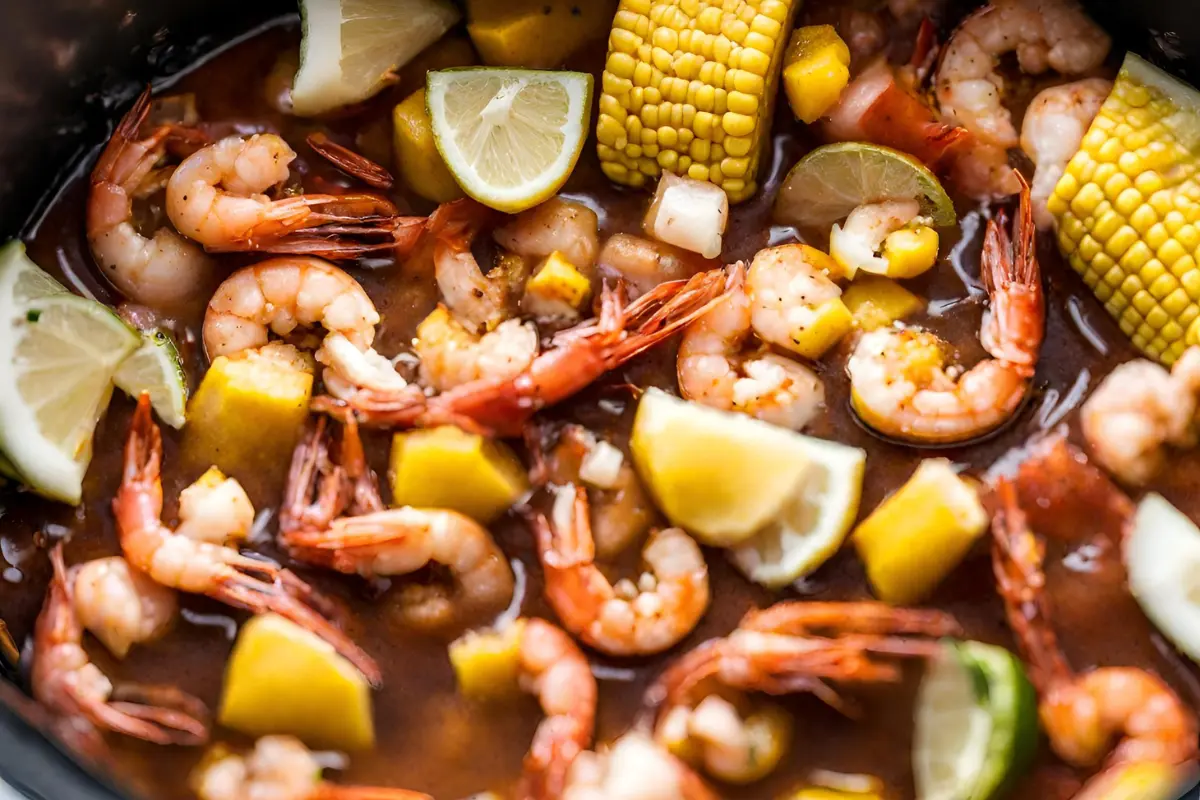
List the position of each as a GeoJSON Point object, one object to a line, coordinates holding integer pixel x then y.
{"type": "Point", "coordinates": [1128, 209]}
{"type": "Point", "coordinates": [689, 87]}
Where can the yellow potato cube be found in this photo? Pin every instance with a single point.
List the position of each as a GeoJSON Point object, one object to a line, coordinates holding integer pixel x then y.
{"type": "Point", "coordinates": [282, 679]}
{"type": "Point", "coordinates": [818, 793]}
{"type": "Point", "coordinates": [535, 33]}
{"type": "Point", "coordinates": [910, 251]}
{"type": "Point", "coordinates": [449, 468]}
{"type": "Point", "coordinates": [816, 70]}
{"type": "Point", "coordinates": [821, 330]}
{"type": "Point", "coordinates": [557, 289]}
{"type": "Point", "coordinates": [249, 413]}
{"type": "Point", "coordinates": [486, 663]}
{"type": "Point", "coordinates": [417, 158]}
{"type": "Point", "coordinates": [914, 538]}
{"type": "Point", "coordinates": [876, 301]}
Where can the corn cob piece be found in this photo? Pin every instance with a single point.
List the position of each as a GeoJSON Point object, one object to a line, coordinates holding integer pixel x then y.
{"type": "Point", "coordinates": [689, 88]}
{"type": "Point", "coordinates": [1128, 209]}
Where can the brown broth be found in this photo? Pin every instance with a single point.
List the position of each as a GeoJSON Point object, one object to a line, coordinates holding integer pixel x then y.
{"type": "Point", "coordinates": [428, 738]}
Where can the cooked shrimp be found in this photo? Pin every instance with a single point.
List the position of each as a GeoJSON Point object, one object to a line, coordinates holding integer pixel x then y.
{"type": "Point", "coordinates": [665, 605]}
{"type": "Point", "coordinates": [279, 768]}
{"type": "Point", "coordinates": [1139, 409]}
{"type": "Point", "coordinates": [216, 571]}
{"type": "Point", "coordinates": [786, 287]}
{"type": "Point", "coordinates": [162, 271]}
{"type": "Point", "coordinates": [634, 767]}
{"type": "Point", "coordinates": [1044, 34]}
{"type": "Point", "coordinates": [65, 680]}
{"type": "Point", "coordinates": [502, 407]}
{"type": "Point", "coordinates": [452, 355]}
{"type": "Point", "coordinates": [727, 737]}
{"type": "Point", "coordinates": [713, 370]}
{"type": "Point", "coordinates": [215, 509]}
{"type": "Point", "coordinates": [350, 162]}
{"type": "Point", "coordinates": [557, 224]}
{"type": "Point", "coordinates": [622, 512]}
{"type": "Point", "coordinates": [119, 605]}
{"type": "Point", "coordinates": [1082, 713]}
{"type": "Point", "coordinates": [898, 380]}
{"type": "Point", "coordinates": [8, 648]}
{"type": "Point", "coordinates": [644, 263]}
{"type": "Point", "coordinates": [480, 302]}
{"type": "Point", "coordinates": [1052, 131]}
{"type": "Point", "coordinates": [334, 517]}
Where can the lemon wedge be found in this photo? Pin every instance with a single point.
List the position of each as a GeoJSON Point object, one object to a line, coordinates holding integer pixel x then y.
{"type": "Point", "coordinates": [350, 46]}
{"type": "Point", "coordinates": [720, 475]}
{"type": "Point", "coordinates": [509, 136]}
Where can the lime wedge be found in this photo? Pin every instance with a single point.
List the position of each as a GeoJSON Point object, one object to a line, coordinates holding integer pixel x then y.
{"type": "Point", "coordinates": [156, 368]}
{"type": "Point", "coordinates": [350, 46]}
{"type": "Point", "coordinates": [813, 523]}
{"type": "Point", "coordinates": [58, 355]}
{"type": "Point", "coordinates": [833, 180]}
{"type": "Point", "coordinates": [976, 723]}
{"type": "Point", "coordinates": [509, 136]}
{"type": "Point", "coordinates": [1162, 557]}
{"type": "Point", "coordinates": [720, 475]}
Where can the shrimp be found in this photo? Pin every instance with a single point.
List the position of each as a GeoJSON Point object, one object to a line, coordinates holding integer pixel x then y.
{"type": "Point", "coordinates": [478, 301]}
{"type": "Point", "coordinates": [1044, 34]}
{"type": "Point", "coordinates": [644, 263]}
{"type": "Point", "coordinates": [162, 271]}
{"type": "Point", "coordinates": [557, 224]}
{"type": "Point", "coordinates": [350, 162]}
{"type": "Point", "coordinates": [1082, 713]}
{"type": "Point", "coordinates": [1052, 131]}
{"type": "Point", "coordinates": [8, 648]}
{"type": "Point", "coordinates": [65, 680]}
{"type": "Point", "coordinates": [1139, 409]}
{"type": "Point", "coordinates": [634, 767]}
{"type": "Point", "coordinates": [119, 605]}
{"type": "Point", "coordinates": [665, 605]}
{"type": "Point", "coordinates": [729, 738]}
{"type": "Point", "coordinates": [787, 288]}
{"type": "Point", "coordinates": [334, 517]}
{"type": "Point", "coordinates": [216, 571]}
{"type": "Point", "coordinates": [713, 371]}
{"type": "Point", "coordinates": [502, 406]}
{"type": "Point", "coordinates": [279, 768]}
{"type": "Point", "coordinates": [452, 355]}
{"type": "Point", "coordinates": [622, 512]}
{"type": "Point", "coordinates": [899, 384]}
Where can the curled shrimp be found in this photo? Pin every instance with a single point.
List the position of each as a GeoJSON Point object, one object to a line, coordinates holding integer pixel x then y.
{"type": "Point", "coordinates": [787, 287]}
{"type": "Point", "coordinates": [480, 302]}
{"type": "Point", "coordinates": [1051, 132]}
{"type": "Point", "coordinates": [65, 680]}
{"type": "Point", "coordinates": [729, 737]}
{"type": "Point", "coordinates": [164, 270]}
{"type": "Point", "coordinates": [334, 517]}
{"type": "Point", "coordinates": [664, 606]}
{"type": "Point", "coordinates": [119, 605]}
{"type": "Point", "coordinates": [634, 767]}
{"type": "Point", "coordinates": [1044, 34]}
{"type": "Point", "coordinates": [713, 369]}
{"type": "Point", "coordinates": [1083, 713]}
{"type": "Point", "coordinates": [452, 355]}
{"type": "Point", "coordinates": [645, 263]}
{"type": "Point", "coordinates": [216, 571]}
{"type": "Point", "coordinates": [580, 355]}
{"type": "Point", "coordinates": [898, 380]}
{"type": "Point", "coordinates": [279, 768]}
{"type": "Point", "coordinates": [1137, 411]}
{"type": "Point", "coordinates": [557, 224]}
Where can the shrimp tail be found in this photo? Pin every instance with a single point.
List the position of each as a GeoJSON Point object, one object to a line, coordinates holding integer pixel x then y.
{"type": "Point", "coordinates": [332, 791]}
{"type": "Point", "coordinates": [804, 618]}
{"type": "Point", "coordinates": [1014, 325]}
{"type": "Point", "coordinates": [350, 162]}
{"type": "Point", "coordinates": [315, 493]}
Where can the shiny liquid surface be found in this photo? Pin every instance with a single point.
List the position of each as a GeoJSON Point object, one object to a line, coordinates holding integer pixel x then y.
{"type": "Point", "coordinates": [429, 739]}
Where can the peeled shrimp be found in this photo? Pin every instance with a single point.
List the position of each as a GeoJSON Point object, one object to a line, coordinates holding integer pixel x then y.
{"type": "Point", "coordinates": [1044, 34]}
{"type": "Point", "coordinates": [215, 509]}
{"type": "Point", "coordinates": [216, 571]}
{"type": "Point", "coordinates": [665, 605]}
{"type": "Point", "coordinates": [898, 382]}
{"type": "Point", "coordinates": [713, 370]}
{"type": "Point", "coordinates": [1139, 409]}
{"type": "Point", "coordinates": [727, 737]}
{"type": "Point", "coordinates": [643, 263]}
{"type": "Point", "coordinates": [478, 301]}
{"type": "Point", "coordinates": [164, 270]}
{"type": "Point", "coordinates": [786, 291]}
{"type": "Point", "coordinates": [65, 680]}
{"type": "Point", "coordinates": [119, 605]}
{"type": "Point", "coordinates": [557, 224]}
{"type": "Point", "coordinates": [860, 237]}
{"type": "Point", "coordinates": [452, 355]}
{"type": "Point", "coordinates": [280, 768]}
{"type": "Point", "coordinates": [634, 767]}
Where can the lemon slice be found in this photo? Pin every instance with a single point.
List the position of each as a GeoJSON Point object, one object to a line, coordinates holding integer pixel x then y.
{"type": "Point", "coordinates": [813, 523]}
{"type": "Point", "coordinates": [833, 180]}
{"type": "Point", "coordinates": [720, 475]}
{"type": "Point", "coordinates": [509, 136]}
{"type": "Point", "coordinates": [156, 368]}
{"type": "Point", "coordinates": [350, 46]}
{"type": "Point", "coordinates": [58, 355]}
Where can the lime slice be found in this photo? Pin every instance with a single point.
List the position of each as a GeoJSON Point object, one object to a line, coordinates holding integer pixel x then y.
{"type": "Point", "coordinates": [833, 180]}
{"type": "Point", "coordinates": [350, 46]}
{"type": "Point", "coordinates": [1162, 557]}
{"type": "Point", "coordinates": [976, 723]}
{"type": "Point", "coordinates": [509, 136]}
{"type": "Point", "coordinates": [720, 475]}
{"type": "Point", "coordinates": [813, 523]}
{"type": "Point", "coordinates": [156, 367]}
{"type": "Point", "coordinates": [57, 359]}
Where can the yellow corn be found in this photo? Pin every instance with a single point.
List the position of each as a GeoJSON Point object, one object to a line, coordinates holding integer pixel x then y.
{"type": "Point", "coordinates": [1128, 209]}
{"type": "Point", "coordinates": [688, 87]}
{"type": "Point", "coordinates": [910, 251]}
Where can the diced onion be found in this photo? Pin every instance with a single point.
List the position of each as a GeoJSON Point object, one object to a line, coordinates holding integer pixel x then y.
{"type": "Point", "coordinates": [688, 213]}
{"type": "Point", "coordinates": [1162, 553]}
{"type": "Point", "coordinates": [601, 467]}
